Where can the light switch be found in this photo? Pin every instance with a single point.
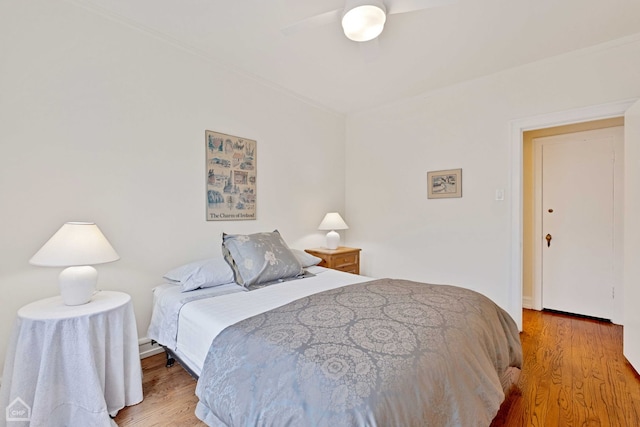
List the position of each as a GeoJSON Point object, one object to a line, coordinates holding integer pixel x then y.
{"type": "Point", "coordinates": [500, 194]}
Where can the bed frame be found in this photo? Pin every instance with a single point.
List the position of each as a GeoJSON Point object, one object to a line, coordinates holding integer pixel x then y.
{"type": "Point", "coordinates": [172, 357]}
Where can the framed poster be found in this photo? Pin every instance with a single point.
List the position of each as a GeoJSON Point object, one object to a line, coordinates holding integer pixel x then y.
{"type": "Point", "coordinates": [444, 184]}
{"type": "Point", "coordinates": [231, 177]}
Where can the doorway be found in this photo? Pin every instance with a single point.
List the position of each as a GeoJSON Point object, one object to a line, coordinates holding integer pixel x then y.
{"type": "Point", "coordinates": [607, 270]}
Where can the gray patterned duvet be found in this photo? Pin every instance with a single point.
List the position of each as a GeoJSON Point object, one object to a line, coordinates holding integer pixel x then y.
{"type": "Point", "coordinates": [380, 353]}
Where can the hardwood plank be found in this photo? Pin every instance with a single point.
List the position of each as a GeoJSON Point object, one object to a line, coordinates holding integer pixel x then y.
{"type": "Point", "coordinates": [574, 374]}
{"type": "Point", "coordinates": [587, 379]}
{"type": "Point", "coordinates": [169, 397]}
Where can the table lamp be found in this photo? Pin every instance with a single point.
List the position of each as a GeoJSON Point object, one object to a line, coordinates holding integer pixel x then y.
{"type": "Point", "coordinates": [333, 221]}
{"type": "Point", "coordinates": [76, 245]}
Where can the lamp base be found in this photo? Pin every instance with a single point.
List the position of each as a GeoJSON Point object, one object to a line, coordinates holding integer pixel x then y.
{"type": "Point", "coordinates": [333, 239]}
{"type": "Point", "coordinates": [77, 284]}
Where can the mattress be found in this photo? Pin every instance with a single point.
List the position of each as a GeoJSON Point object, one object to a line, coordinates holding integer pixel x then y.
{"type": "Point", "coordinates": [187, 322]}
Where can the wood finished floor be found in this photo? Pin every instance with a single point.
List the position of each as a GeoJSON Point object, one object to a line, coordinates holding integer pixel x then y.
{"type": "Point", "coordinates": [574, 375]}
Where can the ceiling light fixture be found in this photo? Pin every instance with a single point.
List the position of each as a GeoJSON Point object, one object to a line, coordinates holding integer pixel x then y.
{"type": "Point", "coordinates": [364, 22]}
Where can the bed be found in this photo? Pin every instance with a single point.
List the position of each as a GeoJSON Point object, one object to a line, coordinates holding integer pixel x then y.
{"type": "Point", "coordinates": [250, 376]}
{"type": "Point", "coordinates": [277, 341]}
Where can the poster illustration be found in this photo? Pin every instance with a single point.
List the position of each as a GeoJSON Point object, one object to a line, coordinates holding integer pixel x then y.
{"type": "Point", "coordinates": [231, 177]}
{"type": "Point", "coordinates": [444, 184]}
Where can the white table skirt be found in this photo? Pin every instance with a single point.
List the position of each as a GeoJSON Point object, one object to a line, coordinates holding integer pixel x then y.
{"type": "Point", "coordinates": [72, 365]}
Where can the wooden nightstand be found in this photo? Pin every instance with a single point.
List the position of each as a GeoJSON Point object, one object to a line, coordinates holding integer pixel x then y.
{"type": "Point", "coordinates": [343, 258]}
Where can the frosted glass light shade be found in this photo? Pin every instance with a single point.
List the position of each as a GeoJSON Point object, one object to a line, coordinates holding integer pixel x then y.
{"type": "Point", "coordinates": [364, 22]}
{"type": "Point", "coordinates": [76, 245]}
{"type": "Point", "coordinates": [333, 221]}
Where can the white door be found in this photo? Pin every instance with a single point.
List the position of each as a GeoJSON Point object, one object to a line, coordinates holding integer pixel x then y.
{"type": "Point", "coordinates": [578, 221]}
{"type": "Point", "coordinates": [631, 339]}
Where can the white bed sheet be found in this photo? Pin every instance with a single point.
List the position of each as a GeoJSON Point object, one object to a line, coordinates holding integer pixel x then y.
{"type": "Point", "coordinates": [168, 300]}
{"type": "Point", "coordinates": [202, 320]}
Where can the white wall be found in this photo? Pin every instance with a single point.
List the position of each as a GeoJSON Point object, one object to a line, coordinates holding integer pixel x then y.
{"type": "Point", "coordinates": [464, 241]}
{"type": "Point", "coordinates": [101, 122]}
{"type": "Point", "coordinates": [631, 344]}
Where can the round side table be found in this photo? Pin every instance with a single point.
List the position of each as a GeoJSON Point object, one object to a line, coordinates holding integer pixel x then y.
{"type": "Point", "coordinates": [72, 365]}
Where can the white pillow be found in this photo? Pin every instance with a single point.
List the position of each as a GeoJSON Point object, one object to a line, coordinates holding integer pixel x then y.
{"type": "Point", "coordinates": [305, 258]}
{"type": "Point", "coordinates": [205, 273]}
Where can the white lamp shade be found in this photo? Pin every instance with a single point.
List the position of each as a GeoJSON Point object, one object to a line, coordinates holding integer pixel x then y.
{"type": "Point", "coordinates": [75, 243]}
{"type": "Point", "coordinates": [333, 221]}
{"type": "Point", "coordinates": [364, 22]}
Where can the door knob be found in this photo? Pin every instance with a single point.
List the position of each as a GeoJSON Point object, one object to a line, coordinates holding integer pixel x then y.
{"type": "Point", "coordinates": [548, 237]}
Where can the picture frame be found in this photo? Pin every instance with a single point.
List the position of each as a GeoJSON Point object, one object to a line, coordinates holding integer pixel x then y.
{"type": "Point", "coordinates": [231, 174]}
{"type": "Point", "coordinates": [444, 184]}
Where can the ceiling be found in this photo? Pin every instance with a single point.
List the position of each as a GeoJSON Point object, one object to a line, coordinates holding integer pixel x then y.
{"type": "Point", "coordinates": [417, 52]}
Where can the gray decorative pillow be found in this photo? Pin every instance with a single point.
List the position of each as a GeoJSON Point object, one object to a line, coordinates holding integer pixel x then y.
{"type": "Point", "coordinates": [259, 258]}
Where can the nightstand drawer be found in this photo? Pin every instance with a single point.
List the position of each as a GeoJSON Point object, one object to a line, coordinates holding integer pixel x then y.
{"type": "Point", "coordinates": [348, 260]}
{"type": "Point", "coordinates": [350, 268]}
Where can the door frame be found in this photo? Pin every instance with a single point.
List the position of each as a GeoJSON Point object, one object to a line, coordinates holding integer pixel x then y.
{"type": "Point", "coordinates": [517, 128]}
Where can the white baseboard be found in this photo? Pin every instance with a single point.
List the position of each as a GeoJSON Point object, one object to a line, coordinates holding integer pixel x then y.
{"type": "Point", "coordinates": [147, 349]}
{"type": "Point", "coordinates": [527, 302]}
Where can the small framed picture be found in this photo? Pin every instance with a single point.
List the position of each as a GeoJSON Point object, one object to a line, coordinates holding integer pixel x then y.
{"type": "Point", "coordinates": [444, 184]}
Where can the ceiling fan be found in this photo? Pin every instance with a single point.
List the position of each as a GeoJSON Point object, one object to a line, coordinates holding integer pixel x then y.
{"type": "Point", "coordinates": [363, 20]}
